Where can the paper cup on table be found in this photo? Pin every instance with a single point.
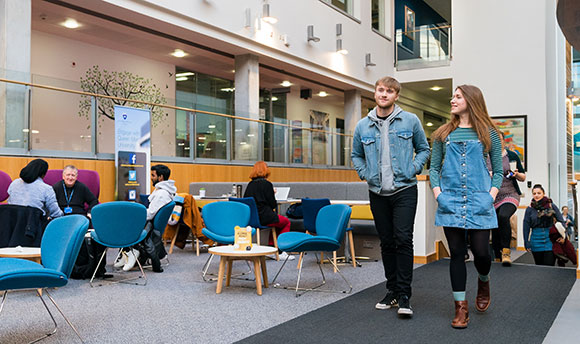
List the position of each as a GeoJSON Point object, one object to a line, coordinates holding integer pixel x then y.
{"type": "Point", "coordinates": [202, 193]}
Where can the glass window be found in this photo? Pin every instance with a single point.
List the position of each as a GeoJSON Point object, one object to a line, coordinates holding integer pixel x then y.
{"type": "Point", "coordinates": [273, 109]}
{"type": "Point", "coordinates": [14, 131]}
{"type": "Point", "coordinates": [343, 5]}
{"type": "Point", "coordinates": [378, 15]}
{"type": "Point", "coordinates": [208, 93]}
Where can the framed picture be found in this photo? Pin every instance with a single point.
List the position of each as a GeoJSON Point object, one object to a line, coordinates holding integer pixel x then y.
{"type": "Point", "coordinates": [515, 133]}
{"type": "Point", "coordinates": [409, 23]}
{"type": "Point", "coordinates": [319, 120]}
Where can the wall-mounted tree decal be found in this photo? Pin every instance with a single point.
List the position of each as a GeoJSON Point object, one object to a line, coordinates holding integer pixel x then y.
{"type": "Point", "coordinates": [123, 85]}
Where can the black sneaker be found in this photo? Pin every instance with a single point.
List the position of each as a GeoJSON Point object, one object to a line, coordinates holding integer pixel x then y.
{"type": "Point", "coordinates": [390, 300]}
{"type": "Point", "coordinates": [405, 309]}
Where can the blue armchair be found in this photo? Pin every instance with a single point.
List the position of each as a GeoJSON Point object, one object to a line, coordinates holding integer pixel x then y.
{"type": "Point", "coordinates": [119, 224]}
{"type": "Point", "coordinates": [220, 219]}
{"type": "Point", "coordinates": [60, 246]}
{"type": "Point", "coordinates": [331, 223]}
{"type": "Point", "coordinates": [255, 220]}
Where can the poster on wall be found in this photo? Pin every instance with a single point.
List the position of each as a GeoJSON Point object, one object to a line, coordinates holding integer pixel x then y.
{"type": "Point", "coordinates": [296, 142]}
{"type": "Point", "coordinates": [321, 121]}
{"type": "Point", "coordinates": [514, 129]}
{"type": "Point", "coordinates": [132, 152]}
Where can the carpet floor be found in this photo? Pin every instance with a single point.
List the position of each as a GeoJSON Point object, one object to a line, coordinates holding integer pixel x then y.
{"type": "Point", "coordinates": [528, 258]}
{"type": "Point", "coordinates": [525, 302]}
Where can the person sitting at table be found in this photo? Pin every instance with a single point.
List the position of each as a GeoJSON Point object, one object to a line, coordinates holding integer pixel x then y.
{"type": "Point", "coordinates": [30, 190]}
{"type": "Point", "coordinates": [152, 246]}
{"type": "Point", "coordinates": [72, 195]}
{"type": "Point", "coordinates": [263, 192]}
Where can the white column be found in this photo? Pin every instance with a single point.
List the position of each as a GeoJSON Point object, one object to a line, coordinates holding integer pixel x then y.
{"type": "Point", "coordinates": [556, 107]}
{"type": "Point", "coordinates": [352, 109]}
{"type": "Point", "coordinates": [247, 135]}
{"type": "Point", "coordinates": [15, 27]}
{"type": "Point", "coordinates": [247, 82]}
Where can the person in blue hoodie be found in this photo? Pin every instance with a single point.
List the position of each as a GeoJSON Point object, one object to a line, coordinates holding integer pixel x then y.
{"type": "Point", "coordinates": [389, 150]}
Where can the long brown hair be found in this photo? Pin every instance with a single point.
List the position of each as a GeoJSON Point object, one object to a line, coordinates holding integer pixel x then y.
{"type": "Point", "coordinates": [478, 117]}
{"type": "Point", "coordinates": [260, 170]}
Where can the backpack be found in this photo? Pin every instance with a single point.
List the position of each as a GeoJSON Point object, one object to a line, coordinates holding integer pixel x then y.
{"type": "Point", "coordinates": [294, 211]}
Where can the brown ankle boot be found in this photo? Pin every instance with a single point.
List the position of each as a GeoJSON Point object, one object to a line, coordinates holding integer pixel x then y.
{"type": "Point", "coordinates": [461, 315]}
{"type": "Point", "coordinates": [506, 259]}
{"type": "Point", "coordinates": [483, 299]}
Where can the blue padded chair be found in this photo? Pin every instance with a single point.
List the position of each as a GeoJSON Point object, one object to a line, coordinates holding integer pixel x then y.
{"type": "Point", "coordinates": [162, 218]}
{"type": "Point", "coordinates": [59, 249]}
{"type": "Point", "coordinates": [119, 224]}
{"type": "Point", "coordinates": [331, 223]}
{"type": "Point", "coordinates": [310, 208]}
{"type": "Point", "coordinates": [255, 220]}
{"type": "Point", "coordinates": [220, 219]}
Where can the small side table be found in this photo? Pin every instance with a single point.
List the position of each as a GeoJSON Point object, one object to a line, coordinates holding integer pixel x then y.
{"type": "Point", "coordinates": [257, 255]}
{"type": "Point", "coordinates": [30, 253]}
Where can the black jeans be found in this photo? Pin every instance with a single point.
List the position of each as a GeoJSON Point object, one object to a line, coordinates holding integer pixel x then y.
{"type": "Point", "coordinates": [501, 237]}
{"type": "Point", "coordinates": [394, 220]}
{"type": "Point", "coordinates": [479, 243]}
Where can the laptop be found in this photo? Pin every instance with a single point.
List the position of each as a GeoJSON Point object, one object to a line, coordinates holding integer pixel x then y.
{"type": "Point", "coordinates": [282, 193]}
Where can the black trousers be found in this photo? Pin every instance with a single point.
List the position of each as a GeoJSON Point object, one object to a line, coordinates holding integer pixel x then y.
{"type": "Point", "coordinates": [479, 243]}
{"type": "Point", "coordinates": [544, 258]}
{"type": "Point", "coordinates": [394, 220]}
{"type": "Point", "coordinates": [501, 237]}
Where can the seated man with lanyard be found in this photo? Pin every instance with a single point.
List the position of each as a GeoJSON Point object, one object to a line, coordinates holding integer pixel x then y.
{"type": "Point", "coordinates": [71, 196]}
{"type": "Point", "coordinates": [152, 245]}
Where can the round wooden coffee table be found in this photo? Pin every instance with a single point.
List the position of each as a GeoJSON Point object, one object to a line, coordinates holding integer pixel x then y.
{"type": "Point", "coordinates": [257, 255]}
{"type": "Point", "coordinates": [30, 253]}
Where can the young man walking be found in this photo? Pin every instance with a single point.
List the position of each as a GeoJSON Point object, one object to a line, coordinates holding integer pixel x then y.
{"type": "Point", "coordinates": [384, 143]}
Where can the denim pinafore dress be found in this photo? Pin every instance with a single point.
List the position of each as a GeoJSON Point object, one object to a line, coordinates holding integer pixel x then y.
{"type": "Point", "coordinates": [464, 201]}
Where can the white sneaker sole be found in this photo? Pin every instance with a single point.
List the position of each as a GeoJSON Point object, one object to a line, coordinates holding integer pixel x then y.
{"type": "Point", "coordinates": [405, 312]}
{"type": "Point", "coordinates": [382, 306]}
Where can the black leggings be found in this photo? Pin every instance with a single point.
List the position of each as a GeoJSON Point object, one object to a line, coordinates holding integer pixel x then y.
{"type": "Point", "coordinates": [502, 236]}
{"type": "Point", "coordinates": [479, 243]}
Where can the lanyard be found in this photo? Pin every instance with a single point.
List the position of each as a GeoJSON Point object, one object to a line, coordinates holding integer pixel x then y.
{"type": "Point", "coordinates": [68, 198]}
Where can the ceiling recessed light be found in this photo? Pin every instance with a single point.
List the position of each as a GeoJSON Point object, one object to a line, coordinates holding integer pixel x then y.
{"type": "Point", "coordinates": [436, 88]}
{"type": "Point", "coordinates": [179, 75]}
{"type": "Point", "coordinates": [322, 94]}
{"type": "Point", "coordinates": [211, 126]}
{"type": "Point", "coordinates": [181, 78]}
{"type": "Point", "coordinates": [286, 83]}
{"type": "Point", "coordinates": [429, 124]}
{"type": "Point", "coordinates": [274, 99]}
{"type": "Point", "coordinates": [178, 53]}
{"type": "Point", "coordinates": [71, 24]}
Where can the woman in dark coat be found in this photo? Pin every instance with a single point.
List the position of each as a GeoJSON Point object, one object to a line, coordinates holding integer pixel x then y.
{"type": "Point", "coordinates": [263, 192]}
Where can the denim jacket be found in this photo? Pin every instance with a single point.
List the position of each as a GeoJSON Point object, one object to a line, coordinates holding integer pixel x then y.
{"type": "Point", "coordinates": [406, 136]}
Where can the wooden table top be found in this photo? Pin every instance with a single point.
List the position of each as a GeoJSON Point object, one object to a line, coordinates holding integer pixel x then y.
{"type": "Point", "coordinates": [20, 252]}
{"type": "Point", "coordinates": [257, 250]}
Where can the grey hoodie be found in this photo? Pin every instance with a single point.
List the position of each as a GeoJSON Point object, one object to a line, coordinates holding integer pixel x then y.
{"type": "Point", "coordinates": [387, 178]}
{"type": "Point", "coordinates": [163, 194]}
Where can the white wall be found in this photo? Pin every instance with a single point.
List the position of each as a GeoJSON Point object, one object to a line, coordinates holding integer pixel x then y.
{"type": "Point", "coordinates": [56, 117]}
{"type": "Point", "coordinates": [225, 20]}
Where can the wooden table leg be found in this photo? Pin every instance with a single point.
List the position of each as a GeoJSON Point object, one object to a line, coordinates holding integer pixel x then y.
{"type": "Point", "coordinates": [229, 273]}
{"type": "Point", "coordinates": [264, 271]}
{"type": "Point", "coordinates": [220, 280]}
{"type": "Point", "coordinates": [256, 261]}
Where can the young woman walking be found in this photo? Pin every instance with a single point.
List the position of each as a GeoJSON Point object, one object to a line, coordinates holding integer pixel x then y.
{"type": "Point", "coordinates": [465, 192]}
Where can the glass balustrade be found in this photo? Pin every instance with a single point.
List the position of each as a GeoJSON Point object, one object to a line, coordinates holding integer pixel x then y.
{"type": "Point", "coordinates": [426, 46]}
{"type": "Point", "coordinates": [53, 117]}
